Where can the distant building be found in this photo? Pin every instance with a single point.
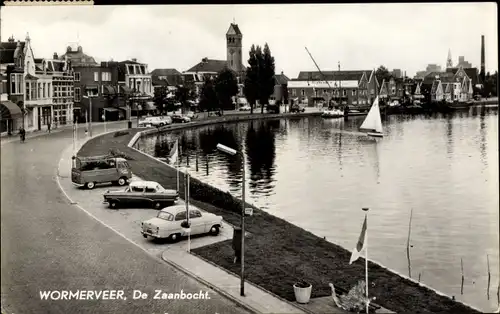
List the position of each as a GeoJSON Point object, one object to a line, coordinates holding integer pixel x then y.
{"type": "Point", "coordinates": [462, 63]}
{"type": "Point", "coordinates": [76, 56]}
{"type": "Point", "coordinates": [396, 73]}
{"type": "Point", "coordinates": [430, 68]}
{"type": "Point", "coordinates": [346, 87]}
{"type": "Point", "coordinates": [452, 85]}
{"type": "Point", "coordinates": [281, 88]}
{"type": "Point", "coordinates": [166, 77]}
{"type": "Point", "coordinates": [208, 68]}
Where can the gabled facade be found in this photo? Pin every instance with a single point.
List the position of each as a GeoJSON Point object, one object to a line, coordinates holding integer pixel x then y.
{"type": "Point", "coordinates": [344, 87]}
{"type": "Point", "coordinates": [437, 93]}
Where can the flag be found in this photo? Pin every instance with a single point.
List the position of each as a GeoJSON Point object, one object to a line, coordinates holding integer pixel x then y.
{"type": "Point", "coordinates": [175, 153]}
{"type": "Point", "coordinates": [359, 246]}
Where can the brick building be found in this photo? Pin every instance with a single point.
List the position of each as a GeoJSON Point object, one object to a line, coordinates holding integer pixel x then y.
{"type": "Point", "coordinates": [345, 87]}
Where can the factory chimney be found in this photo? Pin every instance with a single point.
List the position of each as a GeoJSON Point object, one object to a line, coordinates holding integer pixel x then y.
{"type": "Point", "coordinates": [483, 68]}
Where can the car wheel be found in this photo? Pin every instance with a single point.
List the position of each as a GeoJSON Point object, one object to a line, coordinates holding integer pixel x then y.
{"type": "Point", "coordinates": [113, 204]}
{"type": "Point", "coordinates": [174, 237]}
{"type": "Point", "coordinates": [90, 185]}
{"type": "Point", "coordinates": [156, 205]}
{"type": "Point", "coordinates": [122, 181]}
{"type": "Point", "coordinates": [214, 230]}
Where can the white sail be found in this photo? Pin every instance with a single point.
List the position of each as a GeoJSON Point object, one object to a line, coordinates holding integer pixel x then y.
{"type": "Point", "coordinates": [373, 121]}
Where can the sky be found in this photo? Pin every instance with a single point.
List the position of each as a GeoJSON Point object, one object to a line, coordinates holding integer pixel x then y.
{"type": "Point", "coordinates": [358, 36]}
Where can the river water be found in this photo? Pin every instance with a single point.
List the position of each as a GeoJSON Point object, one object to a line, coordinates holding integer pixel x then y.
{"type": "Point", "coordinates": [318, 174]}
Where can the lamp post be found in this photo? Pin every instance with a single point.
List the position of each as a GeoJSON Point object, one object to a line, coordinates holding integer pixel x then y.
{"type": "Point", "coordinates": [89, 97]}
{"type": "Point", "coordinates": [234, 152]}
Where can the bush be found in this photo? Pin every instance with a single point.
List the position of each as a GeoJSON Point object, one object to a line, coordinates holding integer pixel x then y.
{"type": "Point", "coordinates": [208, 194]}
{"type": "Point", "coordinates": [121, 133]}
{"type": "Point", "coordinates": [118, 154]}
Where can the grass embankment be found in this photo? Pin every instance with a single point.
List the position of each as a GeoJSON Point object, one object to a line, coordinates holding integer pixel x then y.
{"type": "Point", "coordinates": [279, 253]}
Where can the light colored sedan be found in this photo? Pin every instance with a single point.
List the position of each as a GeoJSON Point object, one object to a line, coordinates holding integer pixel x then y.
{"type": "Point", "coordinates": [170, 223]}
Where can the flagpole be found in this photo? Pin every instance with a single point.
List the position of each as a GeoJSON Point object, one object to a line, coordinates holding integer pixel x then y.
{"type": "Point", "coordinates": [178, 157]}
{"type": "Point", "coordinates": [366, 262]}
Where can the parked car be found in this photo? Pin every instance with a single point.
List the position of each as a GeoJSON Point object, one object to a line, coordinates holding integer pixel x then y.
{"type": "Point", "coordinates": [245, 108]}
{"type": "Point", "coordinates": [170, 223]}
{"type": "Point", "coordinates": [155, 121]}
{"type": "Point", "coordinates": [297, 108]}
{"type": "Point", "coordinates": [178, 118]}
{"type": "Point", "coordinates": [88, 171]}
{"type": "Point", "coordinates": [191, 115]}
{"type": "Point", "coordinates": [141, 193]}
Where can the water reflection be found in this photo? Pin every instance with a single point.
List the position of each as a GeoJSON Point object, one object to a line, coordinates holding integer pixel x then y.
{"type": "Point", "coordinates": [261, 152]}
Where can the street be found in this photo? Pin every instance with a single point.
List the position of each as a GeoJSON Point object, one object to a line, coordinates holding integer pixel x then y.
{"type": "Point", "coordinates": [49, 244]}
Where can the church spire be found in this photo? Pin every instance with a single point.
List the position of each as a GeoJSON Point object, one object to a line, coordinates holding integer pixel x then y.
{"type": "Point", "coordinates": [449, 61]}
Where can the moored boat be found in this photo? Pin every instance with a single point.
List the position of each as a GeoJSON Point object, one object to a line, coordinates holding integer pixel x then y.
{"type": "Point", "coordinates": [332, 113]}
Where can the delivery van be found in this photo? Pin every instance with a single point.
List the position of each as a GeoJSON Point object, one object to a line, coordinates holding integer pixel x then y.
{"type": "Point", "coordinates": [89, 171]}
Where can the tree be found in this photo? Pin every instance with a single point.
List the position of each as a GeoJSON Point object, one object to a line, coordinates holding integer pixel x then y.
{"type": "Point", "coordinates": [226, 86]}
{"type": "Point", "coordinates": [208, 97]}
{"type": "Point", "coordinates": [160, 98]}
{"type": "Point", "coordinates": [183, 94]}
{"type": "Point", "coordinates": [266, 76]}
{"type": "Point", "coordinates": [490, 84]}
{"type": "Point", "coordinates": [251, 87]}
{"type": "Point", "coordinates": [382, 73]}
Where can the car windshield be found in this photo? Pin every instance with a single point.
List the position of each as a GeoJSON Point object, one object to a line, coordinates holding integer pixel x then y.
{"type": "Point", "coordinates": [166, 216]}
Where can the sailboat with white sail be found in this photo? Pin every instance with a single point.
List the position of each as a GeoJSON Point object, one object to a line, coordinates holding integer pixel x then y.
{"type": "Point", "coordinates": [372, 125]}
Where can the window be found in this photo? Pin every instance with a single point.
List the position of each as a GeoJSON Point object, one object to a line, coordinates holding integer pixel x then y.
{"type": "Point", "coordinates": [194, 214]}
{"type": "Point", "coordinates": [96, 76]}
{"type": "Point", "coordinates": [16, 81]}
{"type": "Point", "coordinates": [372, 91]}
{"type": "Point", "coordinates": [354, 92]}
{"type": "Point", "coordinates": [28, 89]}
{"type": "Point", "coordinates": [294, 92]}
{"type": "Point", "coordinates": [344, 92]}
{"type": "Point", "coordinates": [324, 91]}
{"type": "Point", "coordinates": [166, 216]}
{"type": "Point", "coordinates": [76, 76]}
{"type": "Point", "coordinates": [77, 94]}
{"type": "Point", "coordinates": [106, 76]}
{"type": "Point", "coordinates": [130, 69]}
{"type": "Point", "coordinates": [138, 189]}
{"type": "Point", "coordinates": [92, 91]}
{"type": "Point", "coordinates": [150, 190]}
{"type": "Point", "coordinates": [180, 216]}
{"type": "Point", "coordinates": [302, 92]}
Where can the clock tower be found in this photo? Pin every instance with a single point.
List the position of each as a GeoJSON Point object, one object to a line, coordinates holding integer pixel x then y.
{"type": "Point", "coordinates": [234, 39]}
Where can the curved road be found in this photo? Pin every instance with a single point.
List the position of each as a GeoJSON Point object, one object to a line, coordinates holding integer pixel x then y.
{"type": "Point", "coordinates": [48, 244]}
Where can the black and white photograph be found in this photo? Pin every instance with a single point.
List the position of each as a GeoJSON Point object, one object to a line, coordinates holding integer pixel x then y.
{"type": "Point", "coordinates": [287, 158]}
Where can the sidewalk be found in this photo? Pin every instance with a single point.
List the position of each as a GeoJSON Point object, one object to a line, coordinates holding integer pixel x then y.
{"type": "Point", "coordinates": [36, 133]}
{"type": "Point", "coordinates": [225, 283]}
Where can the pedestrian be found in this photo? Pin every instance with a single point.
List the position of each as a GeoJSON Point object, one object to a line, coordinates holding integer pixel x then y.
{"type": "Point", "coordinates": [48, 126]}
{"type": "Point", "coordinates": [22, 134]}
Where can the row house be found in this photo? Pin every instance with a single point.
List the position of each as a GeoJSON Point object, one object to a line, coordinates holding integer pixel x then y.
{"type": "Point", "coordinates": [166, 78]}
{"type": "Point", "coordinates": [450, 86]}
{"type": "Point", "coordinates": [98, 93]}
{"type": "Point", "coordinates": [136, 78]}
{"type": "Point", "coordinates": [52, 91]}
{"type": "Point", "coordinates": [345, 87]}
{"type": "Point", "coordinates": [11, 88]}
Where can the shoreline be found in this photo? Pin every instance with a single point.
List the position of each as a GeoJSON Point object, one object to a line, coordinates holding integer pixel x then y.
{"type": "Point", "coordinates": [232, 217]}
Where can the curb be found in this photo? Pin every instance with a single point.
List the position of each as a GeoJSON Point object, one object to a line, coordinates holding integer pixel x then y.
{"type": "Point", "coordinates": [209, 285]}
{"type": "Point", "coordinates": [254, 285]}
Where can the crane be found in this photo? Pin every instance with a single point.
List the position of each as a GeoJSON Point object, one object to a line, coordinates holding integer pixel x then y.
{"type": "Point", "coordinates": [324, 77]}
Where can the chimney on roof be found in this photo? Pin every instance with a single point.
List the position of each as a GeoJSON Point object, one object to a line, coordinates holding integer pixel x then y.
{"type": "Point", "coordinates": [80, 49]}
{"type": "Point", "coordinates": [134, 59]}
{"type": "Point", "coordinates": [55, 56]}
{"type": "Point", "coordinates": [204, 60]}
{"type": "Point", "coordinates": [11, 39]}
{"type": "Point", "coordinates": [281, 72]}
